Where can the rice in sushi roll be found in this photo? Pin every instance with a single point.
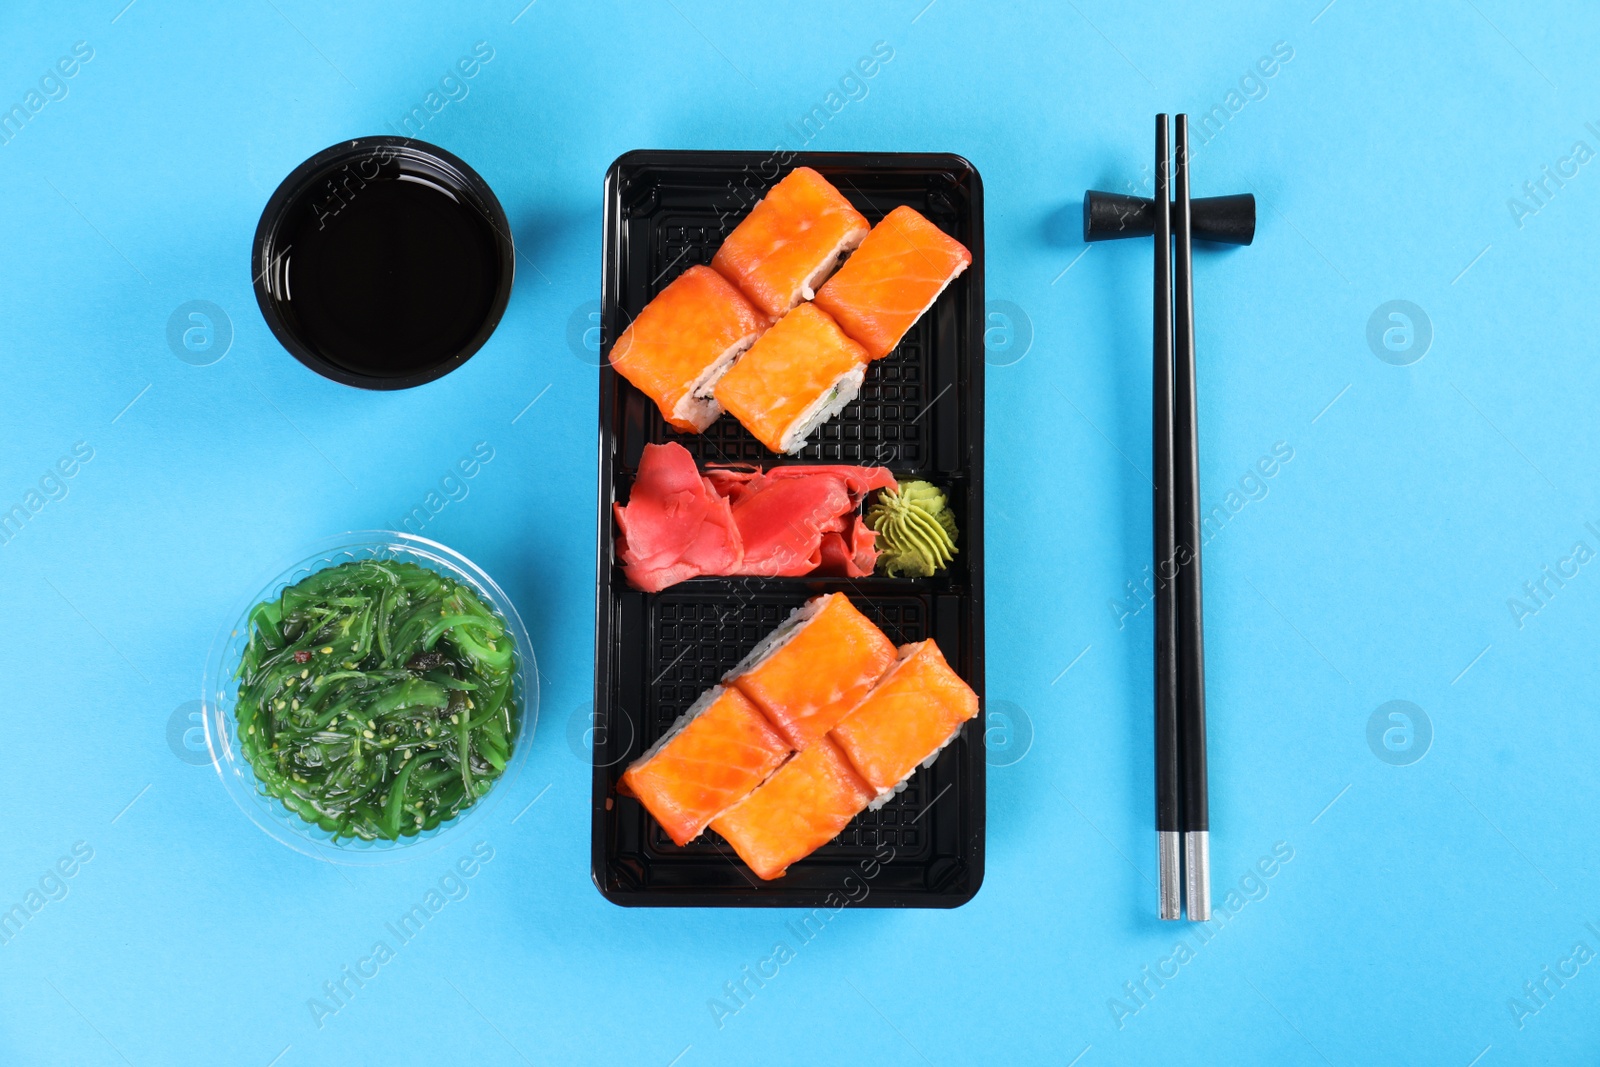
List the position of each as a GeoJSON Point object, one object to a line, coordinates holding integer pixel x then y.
{"type": "Point", "coordinates": [916, 710]}
{"type": "Point", "coordinates": [714, 755]}
{"type": "Point", "coordinates": [801, 807]}
{"type": "Point", "coordinates": [893, 279]}
{"type": "Point", "coordinates": [790, 242]}
{"type": "Point", "coordinates": [683, 342]}
{"type": "Point", "coordinates": [817, 665]}
{"type": "Point", "coordinates": [801, 373]}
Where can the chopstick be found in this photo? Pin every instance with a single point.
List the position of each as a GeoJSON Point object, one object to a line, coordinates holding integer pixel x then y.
{"type": "Point", "coordinates": [1183, 831]}
{"type": "Point", "coordinates": [1168, 785]}
{"type": "Point", "coordinates": [1191, 692]}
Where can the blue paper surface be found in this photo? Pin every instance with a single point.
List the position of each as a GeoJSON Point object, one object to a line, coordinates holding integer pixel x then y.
{"type": "Point", "coordinates": [1429, 534]}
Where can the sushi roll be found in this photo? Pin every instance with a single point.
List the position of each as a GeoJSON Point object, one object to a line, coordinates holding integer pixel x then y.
{"type": "Point", "coordinates": [801, 807]}
{"type": "Point", "coordinates": [717, 752]}
{"type": "Point", "coordinates": [907, 720]}
{"type": "Point", "coordinates": [892, 279]}
{"type": "Point", "coordinates": [801, 373]}
{"type": "Point", "coordinates": [817, 665]}
{"type": "Point", "coordinates": [683, 342]}
{"type": "Point", "coordinates": [790, 242]}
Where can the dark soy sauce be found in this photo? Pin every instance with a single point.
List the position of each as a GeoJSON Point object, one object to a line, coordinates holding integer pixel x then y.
{"type": "Point", "coordinates": [389, 272]}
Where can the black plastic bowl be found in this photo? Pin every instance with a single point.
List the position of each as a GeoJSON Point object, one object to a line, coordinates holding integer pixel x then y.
{"type": "Point", "coordinates": [404, 267]}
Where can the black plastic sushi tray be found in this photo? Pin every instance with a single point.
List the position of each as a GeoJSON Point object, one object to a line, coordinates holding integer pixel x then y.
{"type": "Point", "coordinates": [920, 413]}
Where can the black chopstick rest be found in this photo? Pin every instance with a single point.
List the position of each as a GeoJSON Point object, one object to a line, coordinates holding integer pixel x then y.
{"type": "Point", "coordinates": [1228, 220]}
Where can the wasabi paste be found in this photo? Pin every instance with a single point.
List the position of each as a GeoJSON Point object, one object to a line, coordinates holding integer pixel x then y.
{"type": "Point", "coordinates": [916, 530]}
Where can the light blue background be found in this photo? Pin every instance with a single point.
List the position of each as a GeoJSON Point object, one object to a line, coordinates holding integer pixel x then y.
{"type": "Point", "coordinates": [1378, 566]}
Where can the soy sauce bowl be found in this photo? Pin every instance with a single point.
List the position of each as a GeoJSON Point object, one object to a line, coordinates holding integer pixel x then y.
{"type": "Point", "coordinates": [383, 262]}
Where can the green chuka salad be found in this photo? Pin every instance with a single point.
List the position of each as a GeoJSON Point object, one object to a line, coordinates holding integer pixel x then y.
{"type": "Point", "coordinates": [375, 698]}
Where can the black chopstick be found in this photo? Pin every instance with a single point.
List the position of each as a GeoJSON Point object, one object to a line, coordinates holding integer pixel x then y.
{"type": "Point", "coordinates": [1168, 825]}
{"type": "Point", "coordinates": [1183, 831]}
{"type": "Point", "coordinates": [1191, 698]}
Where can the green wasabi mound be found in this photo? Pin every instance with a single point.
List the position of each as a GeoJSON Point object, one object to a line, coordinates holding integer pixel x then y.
{"type": "Point", "coordinates": [916, 530]}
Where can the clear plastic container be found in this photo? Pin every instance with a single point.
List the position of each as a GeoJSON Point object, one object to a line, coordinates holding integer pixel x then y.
{"type": "Point", "coordinates": [221, 693]}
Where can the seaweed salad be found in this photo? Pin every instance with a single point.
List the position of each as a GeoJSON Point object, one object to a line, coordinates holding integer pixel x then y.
{"type": "Point", "coordinates": [375, 698]}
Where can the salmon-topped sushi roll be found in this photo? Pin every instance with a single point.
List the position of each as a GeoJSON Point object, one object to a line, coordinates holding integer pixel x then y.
{"type": "Point", "coordinates": [818, 664]}
{"type": "Point", "coordinates": [790, 242]}
{"type": "Point", "coordinates": [800, 374]}
{"type": "Point", "coordinates": [716, 753]}
{"type": "Point", "coordinates": [684, 341]}
{"type": "Point", "coordinates": [893, 278]}
{"type": "Point", "coordinates": [801, 807]}
{"type": "Point", "coordinates": [912, 714]}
